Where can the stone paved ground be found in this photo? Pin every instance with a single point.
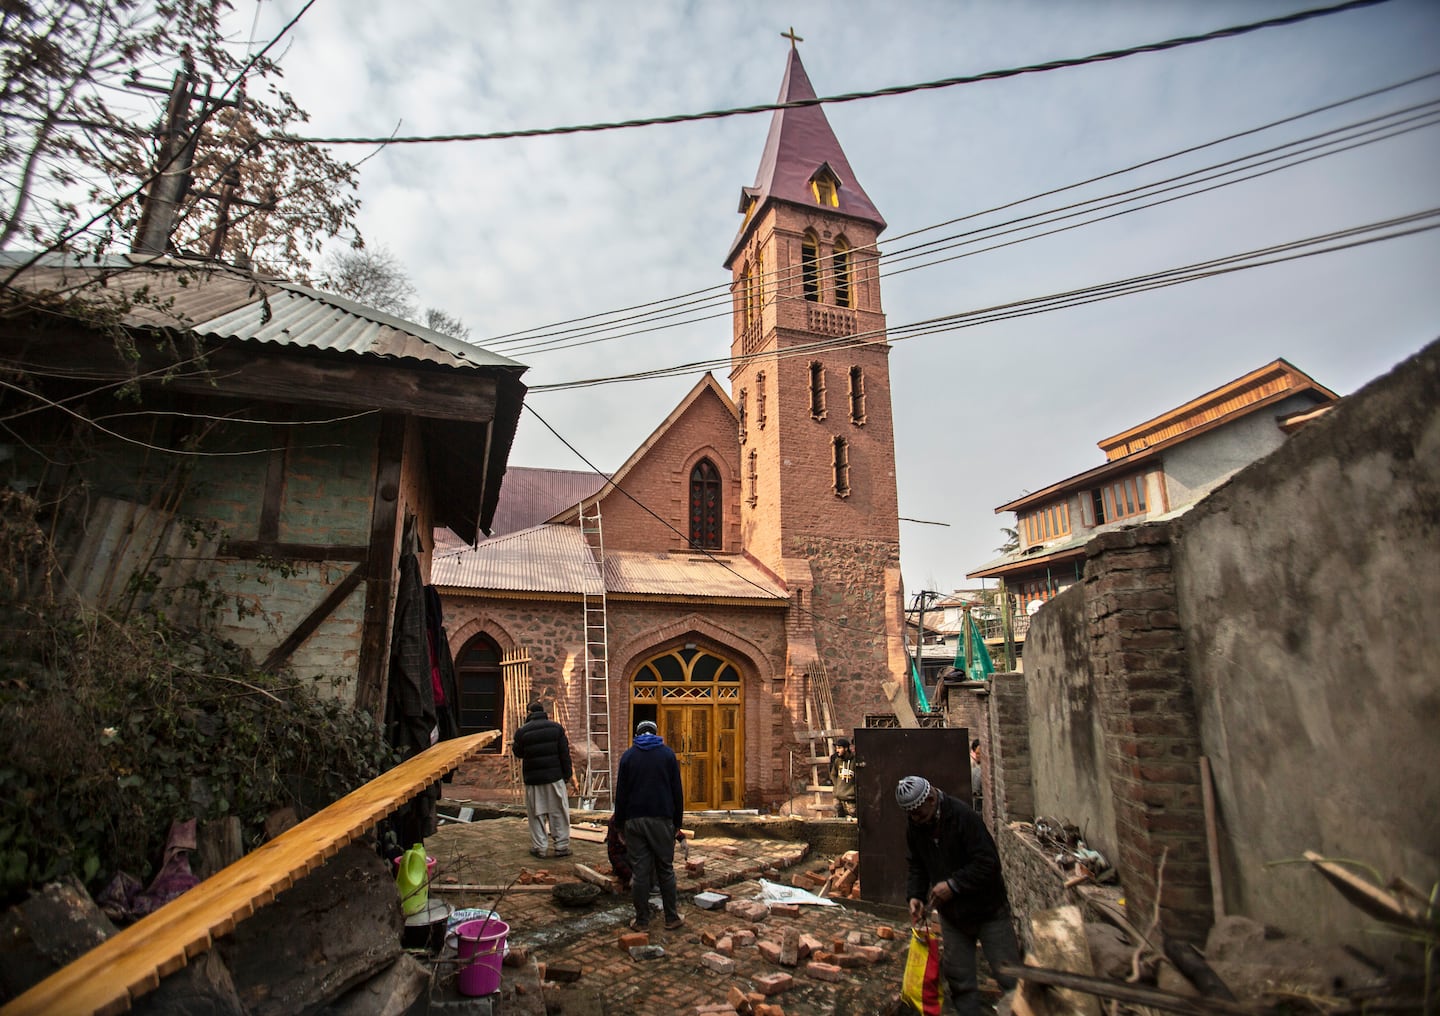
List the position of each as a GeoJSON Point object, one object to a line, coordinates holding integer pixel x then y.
{"type": "Point", "coordinates": [495, 850]}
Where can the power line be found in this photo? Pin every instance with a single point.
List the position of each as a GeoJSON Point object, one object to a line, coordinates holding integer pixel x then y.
{"type": "Point", "coordinates": [1239, 171]}
{"type": "Point", "coordinates": [525, 340]}
{"type": "Point", "coordinates": [1055, 301]}
{"type": "Point", "coordinates": [967, 79]}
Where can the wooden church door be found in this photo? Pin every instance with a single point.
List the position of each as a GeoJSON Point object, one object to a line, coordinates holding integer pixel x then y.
{"type": "Point", "coordinates": [695, 697]}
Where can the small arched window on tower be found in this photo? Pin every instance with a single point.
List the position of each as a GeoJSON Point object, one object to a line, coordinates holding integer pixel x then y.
{"type": "Point", "coordinates": [744, 414]}
{"type": "Point", "coordinates": [705, 506]}
{"type": "Point", "coordinates": [857, 396]}
{"type": "Point", "coordinates": [754, 476]}
{"type": "Point", "coordinates": [760, 400]}
{"type": "Point", "coordinates": [825, 185]}
{"type": "Point", "coordinates": [810, 266]}
{"type": "Point", "coordinates": [844, 293]}
{"type": "Point", "coordinates": [841, 464]}
{"type": "Point", "coordinates": [817, 390]}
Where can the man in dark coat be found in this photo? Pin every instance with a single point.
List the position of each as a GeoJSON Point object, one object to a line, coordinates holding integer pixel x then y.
{"type": "Point", "coordinates": [544, 754]}
{"type": "Point", "coordinates": [842, 777]}
{"type": "Point", "coordinates": [650, 808]}
{"type": "Point", "coordinates": [955, 868]}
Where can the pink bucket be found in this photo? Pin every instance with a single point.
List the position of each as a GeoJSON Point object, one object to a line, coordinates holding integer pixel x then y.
{"type": "Point", "coordinates": [481, 949]}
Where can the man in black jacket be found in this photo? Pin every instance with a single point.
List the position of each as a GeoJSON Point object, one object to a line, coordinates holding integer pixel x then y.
{"type": "Point", "coordinates": [544, 754]}
{"type": "Point", "coordinates": [650, 808]}
{"type": "Point", "coordinates": [955, 868]}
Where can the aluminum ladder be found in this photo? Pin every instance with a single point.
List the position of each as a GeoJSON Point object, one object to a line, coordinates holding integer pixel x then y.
{"type": "Point", "coordinates": [597, 789]}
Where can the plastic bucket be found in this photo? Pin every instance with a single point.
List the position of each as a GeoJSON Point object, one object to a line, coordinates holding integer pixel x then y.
{"type": "Point", "coordinates": [481, 949]}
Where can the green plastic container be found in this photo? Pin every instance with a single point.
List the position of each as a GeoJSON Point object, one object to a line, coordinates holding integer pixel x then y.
{"type": "Point", "coordinates": [412, 880]}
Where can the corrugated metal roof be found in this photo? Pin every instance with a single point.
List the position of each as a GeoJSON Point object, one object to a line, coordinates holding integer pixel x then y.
{"type": "Point", "coordinates": [688, 574]}
{"type": "Point", "coordinates": [545, 559]}
{"type": "Point", "coordinates": [530, 496]}
{"type": "Point", "coordinates": [556, 559]}
{"type": "Point", "coordinates": [223, 302]}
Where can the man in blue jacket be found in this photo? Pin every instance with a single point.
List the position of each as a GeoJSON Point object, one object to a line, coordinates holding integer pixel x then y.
{"type": "Point", "coordinates": [955, 868]}
{"type": "Point", "coordinates": [544, 754]}
{"type": "Point", "coordinates": [650, 808]}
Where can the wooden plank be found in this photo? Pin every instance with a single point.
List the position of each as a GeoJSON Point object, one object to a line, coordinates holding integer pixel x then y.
{"type": "Point", "coordinates": [472, 887]}
{"type": "Point", "coordinates": [1153, 997]}
{"type": "Point", "coordinates": [1212, 837]}
{"type": "Point", "coordinates": [108, 978]}
{"type": "Point", "coordinates": [1372, 899]}
{"type": "Point", "coordinates": [380, 566]}
{"type": "Point", "coordinates": [587, 835]}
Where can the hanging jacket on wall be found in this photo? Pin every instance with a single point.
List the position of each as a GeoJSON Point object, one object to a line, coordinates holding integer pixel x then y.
{"type": "Point", "coordinates": [442, 667]}
{"type": "Point", "coordinates": [410, 719]}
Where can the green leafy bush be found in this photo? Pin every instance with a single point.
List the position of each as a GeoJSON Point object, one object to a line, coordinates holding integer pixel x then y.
{"type": "Point", "coordinates": [110, 730]}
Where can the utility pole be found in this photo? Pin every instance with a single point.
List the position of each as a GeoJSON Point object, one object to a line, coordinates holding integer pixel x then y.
{"type": "Point", "coordinates": [170, 181]}
{"type": "Point", "coordinates": [922, 596]}
{"type": "Point", "coordinates": [1008, 623]}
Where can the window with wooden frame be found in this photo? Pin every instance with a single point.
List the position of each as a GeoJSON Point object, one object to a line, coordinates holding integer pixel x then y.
{"type": "Point", "coordinates": [705, 506]}
{"type": "Point", "coordinates": [744, 400]}
{"type": "Point", "coordinates": [760, 399]}
{"type": "Point", "coordinates": [826, 188]}
{"type": "Point", "coordinates": [841, 465]}
{"type": "Point", "coordinates": [810, 267]}
{"type": "Point", "coordinates": [754, 476]}
{"type": "Point", "coordinates": [1120, 500]}
{"type": "Point", "coordinates": [840, 262]}
{"type": "Point", "coordinates": [744, 293]}
{"type": "Point", "coordinates": [857, 396]}
{"type": "Point", "coordinates": [817, 390]}
{"type": "Point", "coordinates": [1046, 523]}
{"type": "Point", "coordinates": [481, 687]}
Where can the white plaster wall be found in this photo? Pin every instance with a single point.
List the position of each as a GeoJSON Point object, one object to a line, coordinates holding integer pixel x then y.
{"type": "Point", "coordinates": [1199, 465]}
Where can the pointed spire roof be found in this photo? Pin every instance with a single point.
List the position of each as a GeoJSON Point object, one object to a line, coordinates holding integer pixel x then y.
{"type": "Point", "coordinates": [800, 144]}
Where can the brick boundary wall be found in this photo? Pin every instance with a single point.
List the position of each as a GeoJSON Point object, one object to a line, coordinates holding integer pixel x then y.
{"type": "Point", "coordinates": [1148, 714]}
{"type": "Point", "coordinates": [1009, 792]}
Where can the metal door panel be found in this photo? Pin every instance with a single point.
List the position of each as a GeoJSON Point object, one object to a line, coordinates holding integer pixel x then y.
{"type": "Point", "coordinates": [883, 755]}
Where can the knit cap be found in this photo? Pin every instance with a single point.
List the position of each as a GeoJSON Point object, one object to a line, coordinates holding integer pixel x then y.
{"type": "Point", "coordinates": [912, 792]}
{"type": "Point", "coordinates": [647, 727]}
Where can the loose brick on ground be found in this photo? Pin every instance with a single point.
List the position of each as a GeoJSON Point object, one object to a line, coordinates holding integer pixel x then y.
{"type": "Point", "coordinates": [774, 984]}
{"type": "Point", "coordinates": [824, 971]}
{"type": "Point", "coordinates": [784, 910]}
{"type": "Point", "coordinates": [716, 962]}
{"type": "Point", "coordinates": [633, 939]}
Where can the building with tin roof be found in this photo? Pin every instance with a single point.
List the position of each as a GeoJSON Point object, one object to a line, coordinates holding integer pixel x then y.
{"type": "Point", "coordinates": [737, 578]}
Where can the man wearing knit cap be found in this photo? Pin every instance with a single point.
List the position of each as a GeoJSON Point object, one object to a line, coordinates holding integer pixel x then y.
{"type": "Point", "coordinates": [544, 754]}
{"type": "Point", "coordinates": [650, 808]}
{"type": "Point", "coordinates": [955, 868]}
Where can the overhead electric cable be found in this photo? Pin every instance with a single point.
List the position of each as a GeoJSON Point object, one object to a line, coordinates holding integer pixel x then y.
{"type": "Point", "coordinates": [967, 79]}
{"type": "Point", "coordinates": [520, 340]}
{"type": "Point", "coordinates": [1041, 304]}
{"type": "Point", "coordinates": [1245, 164]}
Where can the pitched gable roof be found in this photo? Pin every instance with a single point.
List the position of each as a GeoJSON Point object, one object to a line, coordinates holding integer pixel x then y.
{"type": "Point", "coordinates": [800, 143]}
{"type": "Point", "coordinates": [704, 385]}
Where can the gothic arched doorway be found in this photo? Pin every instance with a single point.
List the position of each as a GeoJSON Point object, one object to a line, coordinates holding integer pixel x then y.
{"type": "Point", "coordinates": [696, 699]}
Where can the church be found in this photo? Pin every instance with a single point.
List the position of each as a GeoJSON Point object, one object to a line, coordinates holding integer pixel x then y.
{"type": "Point", "coordinates": [737, 578]}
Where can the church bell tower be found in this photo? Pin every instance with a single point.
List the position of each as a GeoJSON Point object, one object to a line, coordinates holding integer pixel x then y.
{"type": "Point", "coordinates": [810, 378]}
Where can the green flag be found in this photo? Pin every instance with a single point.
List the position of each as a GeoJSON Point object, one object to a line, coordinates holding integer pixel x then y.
{"type": "Point", "coordinates": [920, 697]}
{"type": "Point", "coordinates": [978, 664]}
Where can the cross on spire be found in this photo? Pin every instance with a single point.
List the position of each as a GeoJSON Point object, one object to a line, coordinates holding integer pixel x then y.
{"type": "Point", "coordinates": [792, 37]}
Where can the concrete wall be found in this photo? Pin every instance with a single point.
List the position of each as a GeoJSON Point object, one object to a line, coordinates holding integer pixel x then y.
{"type": "Point", "coordinates": [1310, 588]}
{"type": "Point", "coordinates": [1283, 628]}
{"type": "Point", "coordinates": [1067, 739]}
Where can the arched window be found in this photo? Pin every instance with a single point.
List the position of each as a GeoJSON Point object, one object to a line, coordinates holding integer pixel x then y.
{"type": "Point", "coordinates": [842, 467]}
{"type": "Point", "coordinates": [482, 689]}
{"type": "Point", "coordinates": [705, 514]}
{"type": "Point", "coordinates": [826, 188]}
{"type": "Point", "coordinates": [810, 266]}
{"type": "Point", "coordinates": [757, 286]}
{"type": "Point", "coordinates": [844, 294]}
{"type": "Point", "coordinates": [744, 415]}
{"type": "Point", "coordinates": [744, 293]}
{"type": "Point", "coordinates": [760, 399]}
{"type": "Point", "coordinates": [754, 476]}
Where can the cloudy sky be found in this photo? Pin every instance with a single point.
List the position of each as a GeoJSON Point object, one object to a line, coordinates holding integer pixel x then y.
{"type": "Point", "coordinates": [518, 234]}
